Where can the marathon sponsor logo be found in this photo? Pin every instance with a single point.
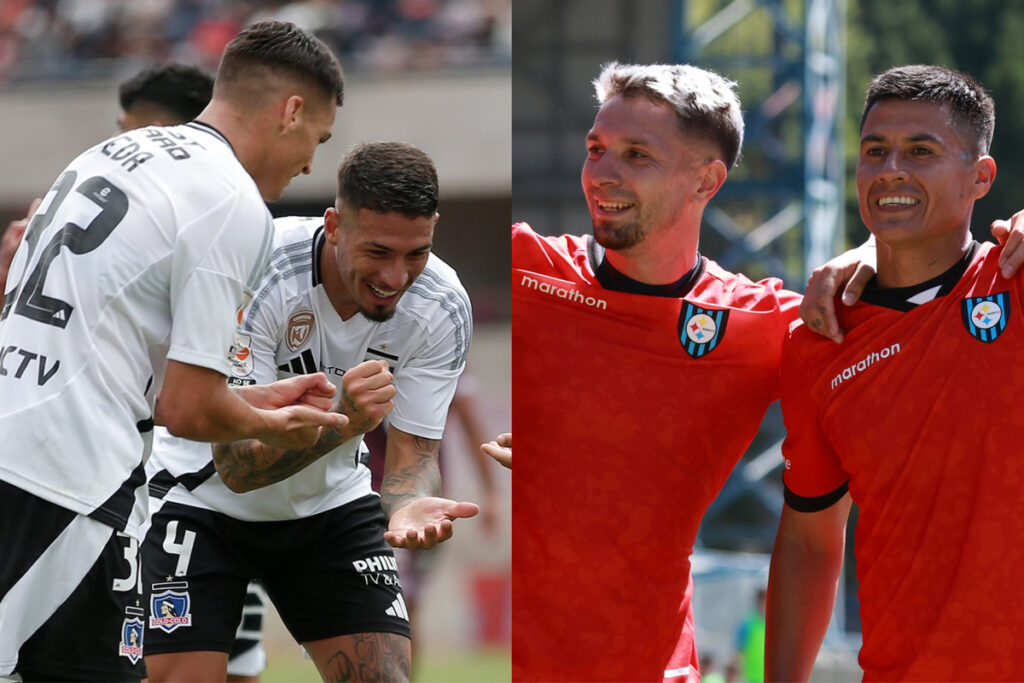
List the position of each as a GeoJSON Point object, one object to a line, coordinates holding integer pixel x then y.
{"type": "Point", "coordinates": [378, 570]}
{"type": "Point", "coordinates": [569, 294]}
{"type": "Point", "coordinates": [864, 364]}
{"type": "Point", "coordinates": [300, 326]}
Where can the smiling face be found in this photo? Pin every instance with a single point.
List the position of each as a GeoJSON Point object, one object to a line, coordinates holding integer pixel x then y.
{"type": "Point", "coordinates": [372, 258]}
{"type": "Point", "coordinates": [641, 170]}
{"type": "Point", "coordinates": [918, 174]}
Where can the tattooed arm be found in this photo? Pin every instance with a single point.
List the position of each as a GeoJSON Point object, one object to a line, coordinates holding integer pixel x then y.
{"type": "Point", "coordinates": [366, 397]}
{"type": "Point", "coordinates": [409, 494]}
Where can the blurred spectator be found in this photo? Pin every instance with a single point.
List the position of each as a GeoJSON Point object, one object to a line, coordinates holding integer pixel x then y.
{"type": "Point", "coordinates": [750, 641]}
{"type": "Point", "coordinates": [70, 39]}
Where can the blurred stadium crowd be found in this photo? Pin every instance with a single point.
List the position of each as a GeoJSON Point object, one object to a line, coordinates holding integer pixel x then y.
{"type": "Point", "coordinates": [81, 39]}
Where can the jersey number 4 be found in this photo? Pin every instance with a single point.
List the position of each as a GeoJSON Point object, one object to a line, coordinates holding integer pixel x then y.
{"type": "Point", "coordinates": [28, 298]}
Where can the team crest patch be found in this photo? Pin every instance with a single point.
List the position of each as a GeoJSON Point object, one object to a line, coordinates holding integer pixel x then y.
{"type": "Point", "coordinates": [241, 355]}
{"type": "Point", "coordinates": [170, 606]}
{"type": "Point", "coordinates": [985, 317]}
{"type": "Point", "coordinates": [300, 326]}
{"type": "Point", "coordinates": [701, 329]}
{"type": "Point", "coordinates": [131, 634]}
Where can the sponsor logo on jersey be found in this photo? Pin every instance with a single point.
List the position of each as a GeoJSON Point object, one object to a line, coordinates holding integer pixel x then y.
{"type": "Point", "coordinates": [131, 634]}
{"type": "Point", "coordinates": [303, 364]}
{"type": "Point", "coordinates": [300, 326]}
{"type": "Point", "coordinates": [865, 363]}
{"type": "Point", "coordinates": [15, 362]}
{"type": "Point", "coordinates": [567, 293]}
{"type": "Point", "coordinates": [985, 317]}
{"type": "Point", "coordinates": [170, 606]}
{"type": "Point", "coordinates": [241, 355]}
{"type": "Point", "coordinates": [701, 329]}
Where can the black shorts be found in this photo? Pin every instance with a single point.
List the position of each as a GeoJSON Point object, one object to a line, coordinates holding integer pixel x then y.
{"type": "Point", "coordinates": [71, 594]}
{"type": "Point", "coordinates": [328, 575]}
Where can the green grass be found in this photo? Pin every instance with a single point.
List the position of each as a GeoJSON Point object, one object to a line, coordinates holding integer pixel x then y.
{"type": "Point", "coordinates": [475, 666]}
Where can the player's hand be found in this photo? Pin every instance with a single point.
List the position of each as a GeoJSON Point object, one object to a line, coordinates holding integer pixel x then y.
{"type": "Point", "coordinates": [295, 427]}
{"type": "Point", "coordinates": [850, 271]}
{"type": "Point", "coordinates": [310, 390]}
{"type": "Point", "coordinates": [425, 522]}
{"type": "Point", "coordinates": [367, 395]}
{"type": "Point", "coordinates": [1010, 234]}
{"type": "Point", "coordinates": [10, 241]}
{"type": "Point", "coordinates": [501, 448]}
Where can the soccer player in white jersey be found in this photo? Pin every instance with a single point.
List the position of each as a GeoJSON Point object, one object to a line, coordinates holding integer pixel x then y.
{"type": "Point", "coordinates": [356, 294]}
{"type": "Point", "coordinates": [118, 314]}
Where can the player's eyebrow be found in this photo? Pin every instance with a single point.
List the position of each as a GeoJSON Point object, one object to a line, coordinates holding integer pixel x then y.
{"type": "Point", "coordinates": [920, 137]}
{"type": "Point", "coordinates": [635, 142]}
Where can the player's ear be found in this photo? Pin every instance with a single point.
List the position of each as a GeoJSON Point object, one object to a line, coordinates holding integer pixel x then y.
{"type": "Point", "coordinates": [291, 114]}
{"type": "Point", "coordinates": [331, 225]}
{"type": "Point", "coordinates": [984, 175]}
{"type": "Point", "coordinates": [712, 178]}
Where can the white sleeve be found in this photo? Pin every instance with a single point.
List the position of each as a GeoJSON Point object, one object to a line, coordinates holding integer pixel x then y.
{"type": "Point", "coordinates": [216, 265]}
{"type": "Point", "coordinates": [261, 329]}
{"type": "Point", "coordinates": [426, 384]}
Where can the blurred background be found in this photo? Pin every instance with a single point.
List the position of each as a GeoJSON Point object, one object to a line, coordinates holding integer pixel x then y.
{"type": "Point", "coordinates": [802, 67]}
{"type": "Point", "coordinates": [434, 73]}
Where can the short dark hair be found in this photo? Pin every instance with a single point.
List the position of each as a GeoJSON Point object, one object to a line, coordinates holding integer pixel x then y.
{"type": "Point", "coordinates": [971, 107]}
{"type": "Point", "coordinates": [180, 89]}
{"type": "Point", "coordinates": [283, 46]}
{"type": "Point", "coordinates": [389, 176]}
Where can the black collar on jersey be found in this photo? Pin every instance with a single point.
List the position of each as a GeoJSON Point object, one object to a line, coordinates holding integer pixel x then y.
{"type": "Point", "coordinates": [898, 297]}
{"type": "Point", "coordinates": [613, 280]}
{"type": "Point", "coordinates": [319, 238]}
{"type": "Point", "coordinates": [207, 128]}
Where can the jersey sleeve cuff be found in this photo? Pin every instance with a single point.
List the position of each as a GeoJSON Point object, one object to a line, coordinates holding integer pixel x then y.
{"type": "Point", "coordinates": [815, 503]}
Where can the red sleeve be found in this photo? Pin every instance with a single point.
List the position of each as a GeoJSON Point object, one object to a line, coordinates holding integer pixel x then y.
{"type": "Point", "coordinates": [814, 477]}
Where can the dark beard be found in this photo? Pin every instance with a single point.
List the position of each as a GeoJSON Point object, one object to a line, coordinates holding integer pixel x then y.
{"type": "Point", "coordinates": [620, 238]}
{"type": "Point", "coordinates": [377, 317]}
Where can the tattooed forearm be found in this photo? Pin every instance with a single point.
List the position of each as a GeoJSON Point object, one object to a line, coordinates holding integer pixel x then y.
{"type": "Point", "coordinates": [419, 477]}
{"type": "Point", "coordinates": [357, 422]}
{"type": "Point", "coordinates": [249, 465]}
{"type": "Point", "coordinates": [370, 657]}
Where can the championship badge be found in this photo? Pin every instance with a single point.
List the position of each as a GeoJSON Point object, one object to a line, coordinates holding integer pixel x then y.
{"type": "Point", "coordinates": [131, 634]}
{"type": "Point", "coordinates": [985, 317]}
{"type": "Point", "coordinates": [169, 606]}
{"type": "Point", "coordinates": [241, 355]}
{"type": "Point", "coordinates": [701, 329]}
{"type": "Point", "coordinates": [300, 326]}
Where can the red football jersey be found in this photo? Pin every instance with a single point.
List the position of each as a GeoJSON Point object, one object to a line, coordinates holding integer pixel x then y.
{"type": "Point", "coordinates": [629, 412]}
{"type": "Point", "coordinates": [916, 411]}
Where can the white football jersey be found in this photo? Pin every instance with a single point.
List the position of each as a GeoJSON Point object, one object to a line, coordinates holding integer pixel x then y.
{"type": "Point", "coordinates": [290, 328]}
{"type": "Point", "coordinates": [144, 249]}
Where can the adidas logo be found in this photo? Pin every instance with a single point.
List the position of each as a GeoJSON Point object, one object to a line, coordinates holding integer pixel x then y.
{"type": "Point", "coordinates": [398, 609]}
